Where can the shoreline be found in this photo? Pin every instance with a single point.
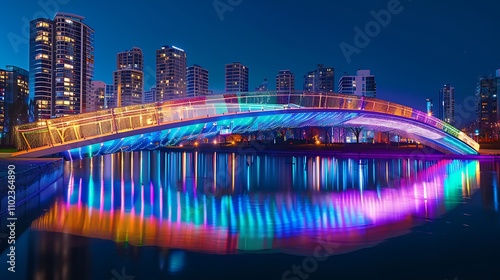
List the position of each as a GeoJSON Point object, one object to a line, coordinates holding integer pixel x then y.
{"type": "Point", "coordinates": [337, 150]}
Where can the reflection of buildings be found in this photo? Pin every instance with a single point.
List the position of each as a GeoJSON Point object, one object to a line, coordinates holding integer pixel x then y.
{"type": "Point", "coordinates": [96, 97]}
{"type": "Point", "coordinates": [215, 202]}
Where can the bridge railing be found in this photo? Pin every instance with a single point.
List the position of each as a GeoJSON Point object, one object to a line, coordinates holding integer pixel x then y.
{"type": "Point", "coordinates": [88, 125]}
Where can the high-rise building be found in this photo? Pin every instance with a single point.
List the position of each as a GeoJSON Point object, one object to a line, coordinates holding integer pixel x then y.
{"type": "Point", "coordinates": [320, 80]}
{"type": "Point", "coordinates": [428, 106]}
{"type": "Point", "coordinates": [170, 73]}
{"type": "Point", "coordinates": [446, 105]}
{"type": "Point", "coordinates": [488, 111]}
{"type": "Point", "coordinates": [128, 79]}
{"type": "Point", "coordinates": [150, 95]}
{"type": "Point", "coordinates": [262, 86]}
{"type": "Point", "coordinates": [14, 86]}
{"type": "Point", "coordinates": [197, 81]}
{"type": "Point", "coordinates": [110, 97]}
{"type": "Point", "coordinates": [61, 65]}
{"type": "Point", "coordinates": [236, 77]}
{"type": "Point", "coordinates": [363, 84]}
{"type": "Point", "coordinates": [96, 96]}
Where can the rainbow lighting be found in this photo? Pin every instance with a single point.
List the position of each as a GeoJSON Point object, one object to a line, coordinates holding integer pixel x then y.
{"type": "Point", "coordinates": [149, 126]}
{"type": "Point", "coordinates": [169, 217]}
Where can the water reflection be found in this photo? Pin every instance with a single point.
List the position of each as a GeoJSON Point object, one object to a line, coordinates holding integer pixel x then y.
{"type": "Point", "coordinates": [223, 203]}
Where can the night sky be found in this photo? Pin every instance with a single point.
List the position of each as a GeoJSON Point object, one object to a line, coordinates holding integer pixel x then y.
{"type": "Point", "coordinates": [429, 43]}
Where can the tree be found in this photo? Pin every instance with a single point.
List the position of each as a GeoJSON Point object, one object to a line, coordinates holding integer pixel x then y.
{"type": "Point", "coordinates": [356, 131]}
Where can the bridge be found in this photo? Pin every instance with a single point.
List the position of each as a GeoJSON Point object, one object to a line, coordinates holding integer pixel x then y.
{"type": "Point", "coordinates": [169, 123]}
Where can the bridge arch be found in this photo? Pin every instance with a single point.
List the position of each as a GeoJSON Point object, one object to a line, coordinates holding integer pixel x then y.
{"type": "Point", "coordinates": [150, 126]}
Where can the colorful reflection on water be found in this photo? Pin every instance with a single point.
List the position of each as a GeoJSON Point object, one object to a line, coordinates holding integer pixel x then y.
{"type": "Point", "coordinates": [223, 203]}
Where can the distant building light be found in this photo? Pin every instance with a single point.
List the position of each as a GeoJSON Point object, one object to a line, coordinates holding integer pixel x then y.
{"type": "Point", "coordinates": [177, 48]}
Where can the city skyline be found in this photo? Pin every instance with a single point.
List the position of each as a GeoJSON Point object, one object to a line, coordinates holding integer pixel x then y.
{"type": "Point", "coordinates": [400, 55]}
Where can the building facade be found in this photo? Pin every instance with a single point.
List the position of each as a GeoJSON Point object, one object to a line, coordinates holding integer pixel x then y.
{"type": "Point", "coordinates": [128, 79]}
{"type": "Point", "coordinates": [96, 96]}
{"type": "Point", "coordinates": [150, 95]}
{"type": "Point", "coordinates": [170, 73]}
{"type": "Point", "coordinates": [14, 90]}
{"type": "Point", "coordinates": [488, 111]}
{"type": "Point", "coordinates": [320, 80]}
{"type": "Point", "coordinates": [429, 106]}
{"type": "Point", "coordinates": [285, 84]}
{"type": "Point", "coordinates": [197, 81]}
{"type": "Point", "coordinates": [262, 86]}
{"type": "Point", "coordinates": [362, 84]}
{"type": "Point", "coordinates": [236, 77]}
{"type": "Point", "coordinates": [61, 65]}
{"type": "Point", "coordinates": [446, 110]}
{"type": "Point", "coordinates": [109, 97]}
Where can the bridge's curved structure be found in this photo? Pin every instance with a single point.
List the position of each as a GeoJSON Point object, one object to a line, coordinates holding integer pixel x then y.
{"type": "Point", "coordinates": [149, 126]}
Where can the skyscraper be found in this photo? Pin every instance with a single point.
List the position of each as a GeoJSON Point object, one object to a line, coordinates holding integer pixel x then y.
{"type": "Point", "coordinates": [236, 77]}
{"type": "Point", "coordinates": [363, 84]}
{"type": "Point", "coordinates": [197, 81]}
{"type": "Point", "coordinates": [96, 96]}
{"type": "Point", "coordinates": [128, 79]}
{"type": "Point", "coordinates": [13, 87]}
{"type": "Point", "coordinates": [61, 65]}
{"type": "Point", "coordinates": [170, 73]}
{"type": "Point", "coordinates": [488, 111]}
{"type": "Point", "coordinates": [446, 105]}
{"type": "Point", "coordinates": [320, 80]}
{"type": "Point", "coordinates": [150, 95]}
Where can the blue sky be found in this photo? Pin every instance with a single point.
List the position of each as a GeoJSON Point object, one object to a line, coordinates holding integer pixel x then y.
{"type": "Point", "coordinates": [425, 45]}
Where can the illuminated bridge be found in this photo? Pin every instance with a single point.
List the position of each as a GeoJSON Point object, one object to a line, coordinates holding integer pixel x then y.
{"type": "Point", "coordinates": [149, 126]}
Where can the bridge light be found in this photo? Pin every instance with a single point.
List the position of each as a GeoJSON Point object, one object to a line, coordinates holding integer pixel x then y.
{"type": "Point", "coordinates": [196, 144]}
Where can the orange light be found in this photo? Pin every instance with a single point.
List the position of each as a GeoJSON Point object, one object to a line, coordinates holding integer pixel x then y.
{"type": "Point", "coordinates": [196, 144]}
